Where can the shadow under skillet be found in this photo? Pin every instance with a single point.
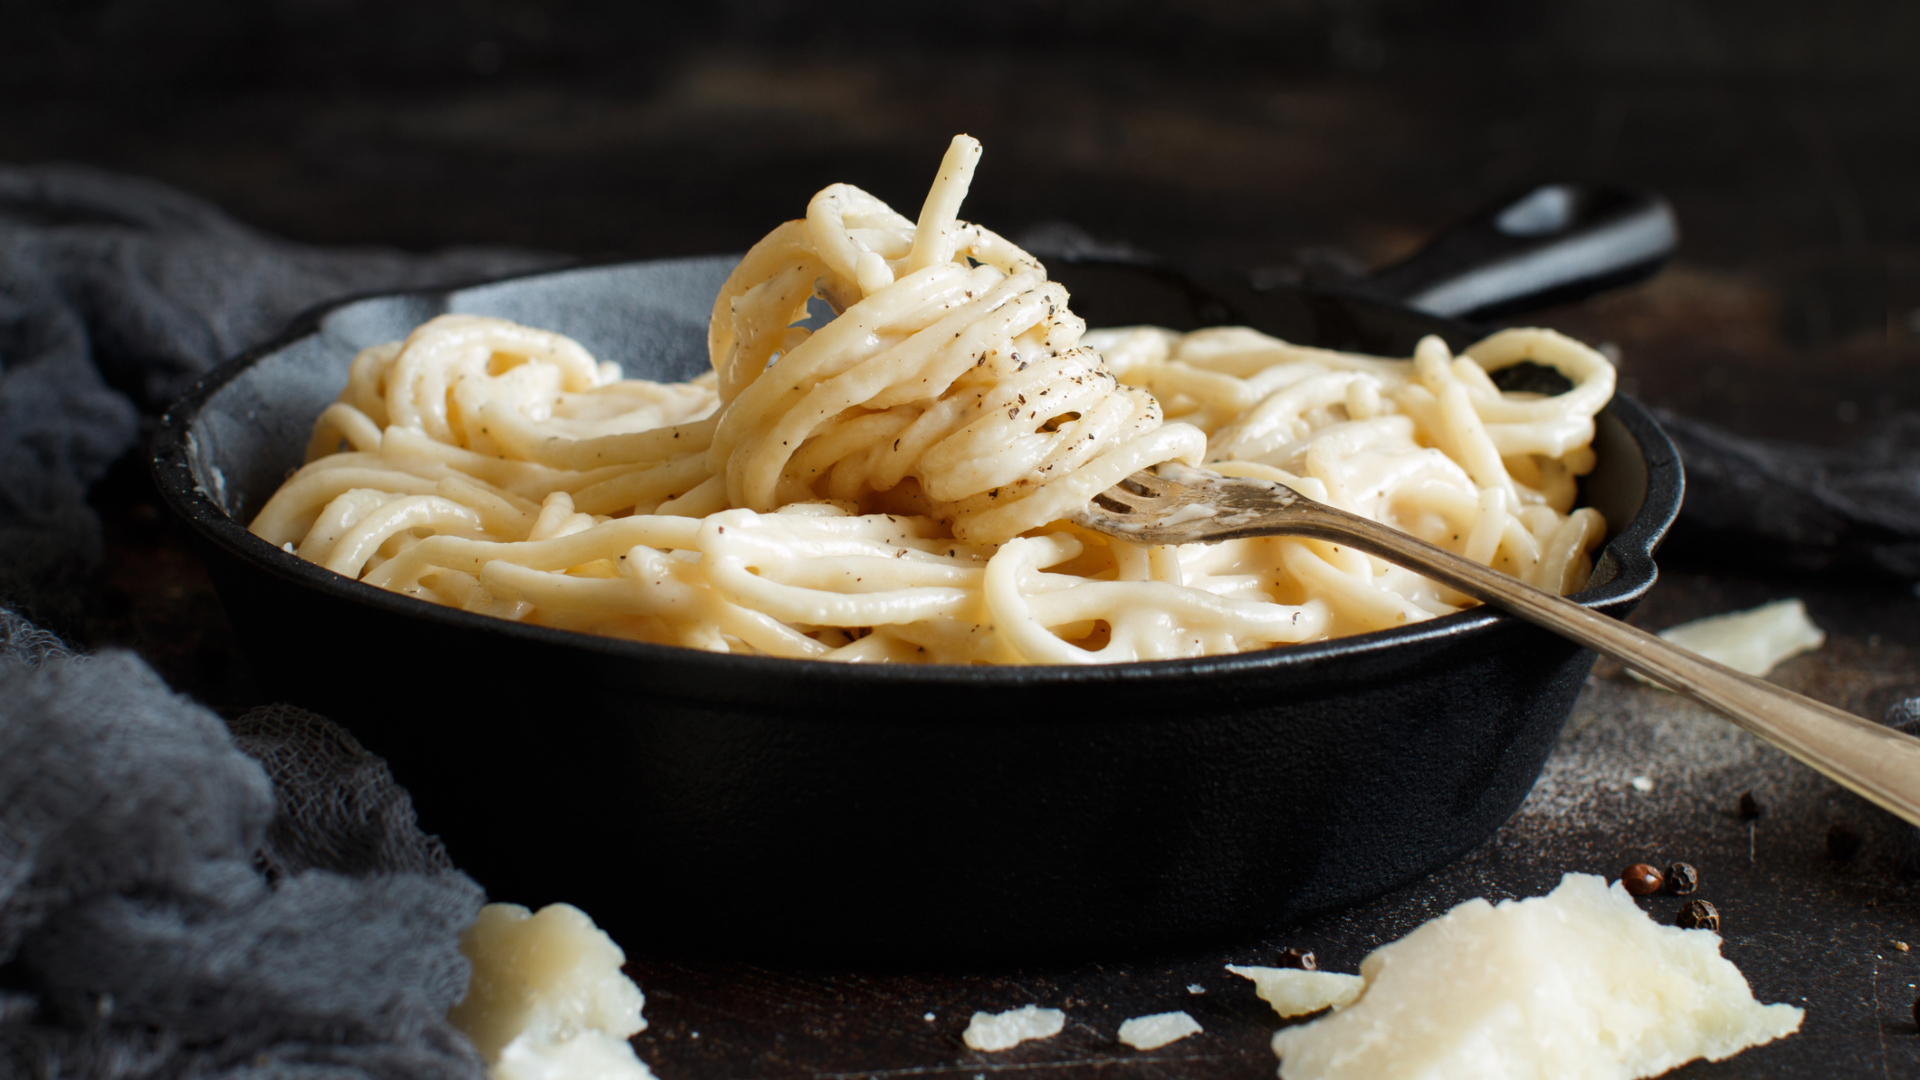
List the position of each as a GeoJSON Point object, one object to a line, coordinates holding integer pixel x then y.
{"type": "Point", "coordinates": [1803, 928]}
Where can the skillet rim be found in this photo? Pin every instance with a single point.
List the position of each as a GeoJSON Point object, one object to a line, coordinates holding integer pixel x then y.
{"type": "Point", "coordinates": [1630, 550]}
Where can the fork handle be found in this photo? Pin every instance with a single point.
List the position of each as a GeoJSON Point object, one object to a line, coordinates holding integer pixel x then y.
{"type": "Point", "coordinates": [1877, 762]}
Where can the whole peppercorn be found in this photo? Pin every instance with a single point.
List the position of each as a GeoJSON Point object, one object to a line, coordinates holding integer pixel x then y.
{"type": "Point", "coordinates": [1642, 879]}
{"type": "Point", "coordinates": [1750, 807]}
{"type": "Point", "coordinates": [1843, 843]}
{"type": "Point", "coordinates": [1698, 915]}
{"type": "Point", "coordinates": [1682, 879]}
{"type": "Point", "coordinates": [1300, 959]}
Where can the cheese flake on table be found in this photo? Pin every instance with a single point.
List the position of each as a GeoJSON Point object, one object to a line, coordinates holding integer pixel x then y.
{"type": "Point", "coordinates": [1156, 1031]}
{"type": "Point", "coordinates": [1577, 985]}
{"type": "Point", "coordinates": [1754, 641]}
{"type": "Point", "coordinates": [998, 1031]}
{"type": "Point", "coordinates": [547, 1000]}
{"type": "Point", "coordinates": [1293, 992]}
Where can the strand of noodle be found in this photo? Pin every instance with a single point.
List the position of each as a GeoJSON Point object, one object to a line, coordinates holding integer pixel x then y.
{"type": "Point", "coordinates": [1277, 420]}
{"type": "Point", "coordinates": [1356, 602]}
{"type": "Point", "coordinates": [1557, 487]}
{"type": "Point", "coordinates": [504, 516]}
{"type": "Point", "coordinates": [366, 381]}
{"type": "Point", "coordinates": [1521, 547]}
{"type": "Point", "coordinates": [1266, 623]}
{"type": "Point", "coordinates": [609, 540]}
{"type": "Point", "coordinates": [824, 572]}
{"type": "Point", "coordinates": [785, 271]}
{"type": "Point", "coordinates": [1489, 522]}
{"type": "Point", "coordinates": [707, 497]}
{"type": "Point", "coordinates": [1474, 377]}
{"type": "Point", "coordinates": [339, 515]}
{"type": "Point", "coordinates": [933, 238]}
{"type": "Point", "coordinates": [563, 593]}
{"type": "Point", "coordinates": [413, 448]}
{"type": "Point", "coordinates": [1024, 619]}
{"type": "Point", "coordinates": [647, 486]}
{"type": "Point", "coordinates": [341, 421]}
{"type": "Point", "coordinates": [1241, 352]}
{"type": "Point", "coordinates": [1550, 438]}
{"type": "Point", "coordinates": [1592, 376]}
{"type": "Point", "coordinates": [1174, 442]}
{"type": "Point", "coordinates": [755, 629]}
{"type": "Point", "coordinates": [1163, 564]}
{"type": "Point", "coordinates": [728, 561]}
{"type": "Point", "coordinates": [526, 441]}
{"type": "Point", "coordinates": [358, 543]}
{"type": "Point", "coordinates": [292, 510]}
{"type": "Point", "coordinates": [846, 254]}
{"type": "Point", "coordinates": [878, 647]}
{"type": "Point", "coordinates": [1468, 437]}
{"type": "Point", "coordinates": [558, 517]}
{"type": "Point", "coordinates": [1210, 389]}
{"type": "Point", "coordinates": [1008, 608]}
{"type": "Point", "coordinates": [454, 589]}
{"type": "Point", "coordinates": [847, 434]}
{"type": "Point", "coordinates": [1568, 545]}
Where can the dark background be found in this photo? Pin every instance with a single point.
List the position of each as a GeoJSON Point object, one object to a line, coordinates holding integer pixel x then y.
{"type": "Point", "coordinates": [1297, 140]}
{"type": "Point", "coordinates": [1315, 135]}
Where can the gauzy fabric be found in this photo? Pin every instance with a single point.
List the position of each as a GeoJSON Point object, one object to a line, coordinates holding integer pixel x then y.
{"type": "Point", "coordinates": [1781, 505]}
{"type": "Point", "coordinates": [171, 906]}
{"type": "Point", "coordinates": [180, 899]}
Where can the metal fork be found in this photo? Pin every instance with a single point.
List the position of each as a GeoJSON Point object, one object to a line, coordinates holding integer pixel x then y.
{"type": "Point", "coordinates": [1183, 505]}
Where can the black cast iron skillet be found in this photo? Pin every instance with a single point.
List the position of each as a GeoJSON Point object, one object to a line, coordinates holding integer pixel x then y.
{"type": "Point", "coordinates": [697, 802]}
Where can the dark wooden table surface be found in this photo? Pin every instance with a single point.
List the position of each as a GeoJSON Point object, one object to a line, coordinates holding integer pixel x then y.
{"type": "Point", "coordinates": [1793, 311]}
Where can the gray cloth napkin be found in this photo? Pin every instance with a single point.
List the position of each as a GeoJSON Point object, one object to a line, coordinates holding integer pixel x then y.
{"type": "Point", "coordinates": [177, 899]}
{"type": "Point", "coordinates": [1780, 505]}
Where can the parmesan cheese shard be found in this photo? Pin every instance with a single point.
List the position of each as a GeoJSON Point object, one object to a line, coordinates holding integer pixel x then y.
{"type": "Point", "coordinates": [1156, 1031]}
{"type": "Point", "coordinates": [547, 1000]}
{"type": "Point", "coordinates": [1754, 641]}
{"type": "Point", "coordinates": [1293, 992]}
{"type": "Point", "coordinates": [998, 1031]}
{"type": "Point", "coordinates": [1577, 985]}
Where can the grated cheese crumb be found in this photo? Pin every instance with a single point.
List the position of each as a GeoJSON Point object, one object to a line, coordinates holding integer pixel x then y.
{"type": "Point", "coordinates": [998, 1031]}
{"type": "Point", "coordinates": [1293, 992]}
{"type": "Point", "coordinates": [1156, 1031]}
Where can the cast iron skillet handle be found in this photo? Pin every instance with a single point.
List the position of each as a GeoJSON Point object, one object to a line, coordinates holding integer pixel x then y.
{"type": "Point", "coordinates": [1871, 759]}
{"type": "Point", "coordinates": [1554, 243]}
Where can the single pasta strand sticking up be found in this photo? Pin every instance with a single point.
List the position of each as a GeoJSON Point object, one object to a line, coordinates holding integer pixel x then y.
{"type": "Point", "coordinates": [891, 487]}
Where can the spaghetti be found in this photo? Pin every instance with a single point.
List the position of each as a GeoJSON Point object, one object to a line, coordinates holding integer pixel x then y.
{"type": "Point", "coordinates": [891, 486]}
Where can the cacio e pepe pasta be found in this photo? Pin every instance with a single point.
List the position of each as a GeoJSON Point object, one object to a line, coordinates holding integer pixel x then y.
{"type": "Point", "coordinates": [891, 486]}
